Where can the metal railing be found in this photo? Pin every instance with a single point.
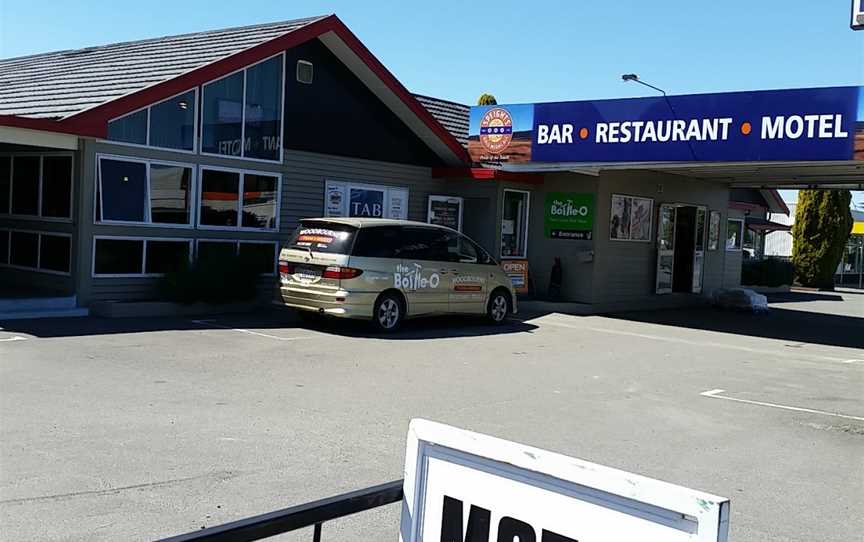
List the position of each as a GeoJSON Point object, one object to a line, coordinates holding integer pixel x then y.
{"type": "Point", "coordinates": [312, 514]}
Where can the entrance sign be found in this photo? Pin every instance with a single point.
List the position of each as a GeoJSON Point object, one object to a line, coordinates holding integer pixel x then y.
{"type": "Point", "coordinates": [466, 487]}
{"type": "Point", "coordinates": [568, 215]}
{"type": "Point", "coordinates": [810, 124]}
{"type": "Point", "coordinates": [445, 211]}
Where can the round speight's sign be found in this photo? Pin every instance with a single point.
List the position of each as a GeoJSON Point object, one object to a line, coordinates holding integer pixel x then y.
{"type": "Point", "coordinates": [496, 130]}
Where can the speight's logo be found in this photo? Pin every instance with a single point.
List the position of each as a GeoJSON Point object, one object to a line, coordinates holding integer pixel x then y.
{"type": "Point", "coordinates": [496, 130]}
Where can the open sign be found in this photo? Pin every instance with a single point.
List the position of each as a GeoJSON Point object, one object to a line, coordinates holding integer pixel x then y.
{"type": "Point", "coordinates": [465, 487]}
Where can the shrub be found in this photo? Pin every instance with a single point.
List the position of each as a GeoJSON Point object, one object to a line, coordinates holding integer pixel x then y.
{"type": "Point", "coordinates": [218, 279]}
{"type": "Point", "coordinates": [771, 272]}
{"type": "Point", "coordinates": [822, 226]}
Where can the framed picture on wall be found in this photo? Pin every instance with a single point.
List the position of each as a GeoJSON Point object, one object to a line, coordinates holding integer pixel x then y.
{"type": "Point", "coordinates": [631, 218]}
{"type": "Point", "coordinates": [714, 231]}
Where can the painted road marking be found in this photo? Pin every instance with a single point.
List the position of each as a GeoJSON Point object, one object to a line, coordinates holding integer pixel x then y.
{"type": "Point", "coordinates": [715, 394]}
{"type": "Point", "coordinates": [853, 361]}
{"type": "Point", "coordinates": [247, 331]}
{"type": "Point", "coordinates": [693, 342]}
{"type": "Point", "coordinates": [15, 338]}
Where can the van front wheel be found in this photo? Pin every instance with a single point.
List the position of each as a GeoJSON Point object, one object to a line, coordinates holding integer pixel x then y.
{"type": "Point", "coordinates": [499, 307]}
{"type": "Point", "coordinates": [388, 313]}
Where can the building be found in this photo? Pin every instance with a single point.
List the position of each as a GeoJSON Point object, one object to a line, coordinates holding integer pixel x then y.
{"type": "Point", "coordinates": [118, 162]}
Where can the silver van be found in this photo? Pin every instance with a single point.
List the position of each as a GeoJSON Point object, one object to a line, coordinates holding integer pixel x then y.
{"type": "Point", "coordinates": [388, 270]}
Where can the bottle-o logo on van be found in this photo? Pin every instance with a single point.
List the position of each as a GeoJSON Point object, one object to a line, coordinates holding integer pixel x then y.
{"type": "Point", "coordinates": [496, 130]}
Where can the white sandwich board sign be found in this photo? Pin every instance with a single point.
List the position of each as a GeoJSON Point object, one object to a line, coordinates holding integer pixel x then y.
{"type": "Point", "coordinates": [466, 487]}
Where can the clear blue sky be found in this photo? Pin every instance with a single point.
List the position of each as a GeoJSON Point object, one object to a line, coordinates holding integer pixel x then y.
{"type": "Point", "coordinates": [520, 51]}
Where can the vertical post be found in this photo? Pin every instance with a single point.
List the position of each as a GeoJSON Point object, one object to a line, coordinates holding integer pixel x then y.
{"type": "Point", "coordinates": [316, 533]}
{"type": "Point", "coordinates": [860, 265]}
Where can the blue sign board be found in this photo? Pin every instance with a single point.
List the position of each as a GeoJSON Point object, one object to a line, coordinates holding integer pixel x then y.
{"type": "Point", "coordinates": [366, 203]}
{"type": "Point", "coordinates": [775, 125]}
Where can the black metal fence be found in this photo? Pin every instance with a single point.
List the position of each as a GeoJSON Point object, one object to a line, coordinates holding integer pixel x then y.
{"type": "Point", "coordinates": [313, 514]}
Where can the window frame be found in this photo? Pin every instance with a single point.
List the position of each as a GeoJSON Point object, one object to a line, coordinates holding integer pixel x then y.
{"type": "Point", "coordinates": [242, 173]}
{"type": "Point", "coordinates": [274, 242]}
{"type": "Point", "coordinates": [38, 268]}
{"type": "Point", "coordinates": [740, 247]}
{"type": "Point", "coordinates": [145, 239]}
{"type": "Point", "coordinates": [7, 213]}
{"type": "Point", "coordinates": [147, 107]}
{"type": "Point", "coordinates": [98, 193]}
{"type": "Point", "coordinates": [200, 146]}
{"type": "Point", "coordinates": [524, 254]}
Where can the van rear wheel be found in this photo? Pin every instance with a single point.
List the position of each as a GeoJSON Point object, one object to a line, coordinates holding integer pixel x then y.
{"type": "Point", "coordinates": [499, 307]}
{"type": "Point", "coordinates": [389, 312]}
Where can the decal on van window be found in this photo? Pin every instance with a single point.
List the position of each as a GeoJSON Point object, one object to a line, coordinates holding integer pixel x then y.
{"type": "Point", "coordinates": [319, 237]}
{"type": "Point", "coordinates": [409, 277]}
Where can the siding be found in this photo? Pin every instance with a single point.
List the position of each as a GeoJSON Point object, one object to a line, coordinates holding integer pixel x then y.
{"type": "Point", "coordinates": [303, 178]}
{"type": "Point", "coordinates": [625, 271]}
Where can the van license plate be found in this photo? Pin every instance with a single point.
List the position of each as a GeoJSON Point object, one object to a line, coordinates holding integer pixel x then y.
{"type": "Point", "coordinates": [307, 274]}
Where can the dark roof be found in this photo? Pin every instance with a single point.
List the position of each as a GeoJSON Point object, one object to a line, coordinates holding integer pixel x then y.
{"type": "Point", "coordinates": [63, 83]}
{"type": "Point", "coordinates": [452, 116]}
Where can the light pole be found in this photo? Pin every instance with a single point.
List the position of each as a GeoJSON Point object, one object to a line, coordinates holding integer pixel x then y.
{"type": "Point", "coordinates": [628, 77]}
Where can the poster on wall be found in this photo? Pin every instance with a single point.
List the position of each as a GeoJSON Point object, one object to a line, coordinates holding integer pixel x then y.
{"type": "Point", "coordinates": [630, 218]}
{"type": "Point", "coordinates": [364, 200]}
{"type": "Point", "coordinates": [445, 211]}
{"type": "Point", "coordinates": [714, 231]}
{"type": "Point", "coordinates": [568, 215]}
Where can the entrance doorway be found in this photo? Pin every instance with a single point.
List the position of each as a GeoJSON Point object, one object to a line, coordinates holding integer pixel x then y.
{"type": "Point", "coordinates": [680, 248]}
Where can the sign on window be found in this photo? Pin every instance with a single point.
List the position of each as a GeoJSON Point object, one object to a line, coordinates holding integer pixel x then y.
{"type": "Point", "coordinates": [365, 201]}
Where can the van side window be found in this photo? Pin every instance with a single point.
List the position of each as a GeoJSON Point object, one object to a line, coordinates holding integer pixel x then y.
{"type": "Point", "coordinates": [483, 257]}
{"type": "Point", "coordinates": [462, 249]}
{"type": "Point", "coordinates": [378, 242]}
{"type": "Point", "coordinates": [425, 244]}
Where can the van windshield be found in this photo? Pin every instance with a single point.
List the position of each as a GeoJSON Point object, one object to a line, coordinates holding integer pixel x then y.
{"type": "Point", "coordinates": [329, 237]}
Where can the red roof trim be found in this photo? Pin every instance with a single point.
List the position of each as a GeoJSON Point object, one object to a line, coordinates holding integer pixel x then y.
{"type": "Point", "coordinates": [486, 174]}
{"type": "Point", "coordinates": [94, 122]}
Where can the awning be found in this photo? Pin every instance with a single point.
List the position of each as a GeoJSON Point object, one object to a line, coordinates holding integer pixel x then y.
{"type": "Point", "coordinates": [763, 225]}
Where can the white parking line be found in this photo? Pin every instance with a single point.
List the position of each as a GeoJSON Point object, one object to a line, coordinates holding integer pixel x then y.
{"type": "Point", "coordinates": [15, 338]}
{"type": "Point", "coordinates": [714, 394]}
{"type": "Point", "coordinates": [694, 343]}
{"type": "Point", "coordinates": [248, 331]}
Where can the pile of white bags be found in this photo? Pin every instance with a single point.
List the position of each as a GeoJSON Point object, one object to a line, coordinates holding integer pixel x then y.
{"type": "Point", "coordinates": [741, 299]}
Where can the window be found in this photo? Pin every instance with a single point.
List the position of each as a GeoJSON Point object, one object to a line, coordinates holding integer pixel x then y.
{"type": "Point", "coordinates": [734, 233]}
{"type": "Point", "coordinates": [139, 257]}
{"type": "Point", "coordinates": [263, 112]}
{"type": "Point", "coordinates": [322, 236]}
{"type": "Point", "coordinates": [5, 183]}
{"type": "Point", "coordinates": [123, 190]}
{"type": "Point", "coordinates": [378, 242]}
{"type": "Point", "coordinates": [426, 244]}
{"type": "Point", "coordinates": [24, 249]}
{"type": "Point", "coordinates": [514, 224]}
{"type": "Point", "coordinates": [144, 192]}
{"type": "Point", "coordinates": [129, 129]}
{"type": "Point", "coordinates": [242, 113]}
{"type": "Point", "coordinates": [165, 256]}
{"type": "Point", "coordinates": [259, 254]}
{"type": "Point", "coordinates": [221, 195]}
{"type": "Point", "coordinates": [57, 186]}
{"type": "Point", "coordinates": [169, 124]}
{"type": "Point", "coordinates": [55, 253]}
{"type": "Point", "coordinates": [172, 123]}
{"type": "Point", "coordinates": [36, 185]}
{"type": "Point", "coordinates": [25, 185]}
{"type": "Point", "coordinates": [259, 201]}
{"type": "Point", "coordinates": [630, 218]}
{"type": "Point", "coordinates": [39, 251]}
{"type": "Point", "coordinates": [170, 188]}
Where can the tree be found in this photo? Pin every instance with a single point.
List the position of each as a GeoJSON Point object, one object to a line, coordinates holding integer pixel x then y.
{"type": "Point", "coordinates": [487, 99]}
{"type": "Point", "coordinates": [822, 226]}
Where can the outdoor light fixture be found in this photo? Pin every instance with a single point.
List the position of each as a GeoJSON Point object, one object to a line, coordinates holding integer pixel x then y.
{"type": "Point", "coordinates": [627, 77]}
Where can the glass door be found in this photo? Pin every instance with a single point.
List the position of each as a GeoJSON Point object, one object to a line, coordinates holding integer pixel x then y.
{"type": "Point", "coordinates": [665, 248]}
{"type": "Point", "coordinates": [699, 253]}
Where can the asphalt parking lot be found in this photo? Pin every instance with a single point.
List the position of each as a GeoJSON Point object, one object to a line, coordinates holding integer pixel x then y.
{"type": "Point", "coordinates": [136, 429]}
